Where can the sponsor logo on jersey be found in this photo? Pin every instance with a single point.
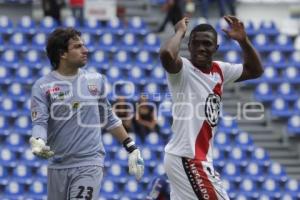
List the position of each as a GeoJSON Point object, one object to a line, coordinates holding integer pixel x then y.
{"type": "Point", "coordinates": [93, 89]}
{"type": "Point", "coordinates": [34, 115]}
{"type": "Point", "coordinates": [212, 109]}
{"type": "Point", "coordinates": [62, 95]}
{"type": "Point", "coordinates": [53, 90]}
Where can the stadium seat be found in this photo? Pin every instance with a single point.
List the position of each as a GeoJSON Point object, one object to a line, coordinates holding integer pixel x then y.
{"type": "Point", "coordinates": [150, 157]}
{"type": "Point", "coordinates": [22, 173]}
{"type": "Point", "coordinates": [280, 108]}
{"type": "Point", "coordinates": [283, 43]}
{"type": "Point", "coordinates": [248, 185]}
{"type": "Point", "coordinates": [109, 190]}
{"type": "Point", "coordinates": [254, 169]}
{"type": "Point", "coordinates": [38, 41]}
{"type": "Point", "coordinates": [261, 156]}
{"type": "Point", "coordinates": [262, 43]}
{"type": "Point", "coordinates": [15, 141]}
{"type": "Point", "coordinates": [231, 169]}
{"type": "Point", "coordinates": [92, 26]}
{"type": "Point", "coordinates": [7, 156]}
{"type": "Point", "coordinates": [136, 75]}
{"type": "Point", "coordinates": [26, 25]}
{"type": "Point", "coordinates": [47, 24]}
{"type": "Point", "coordinates": [5, 75]}
{"type": "Point", "coordinates": [291, 74]}
{"type": "Point", "coordinates": [159, 169]}
{"type": "Point", "coordinates": [243, 139]}
{"type": "Point", "coordinates": [117, 173]}
{"type": "Point", "coordinates": [222, 139]}
{"type": "Point", "coordinates": [4, 126]}
{"type": "Point", "coordinates": [276, 59]}
{"type": "Point", "coordinates": [33, 59]}
{"type": "Point", "coordinates": [133, 189]}
{"type": "Point", "coordinates": [129, 42]}
{"type": "Point", "coordinates": [263, 92]}
{"type": "Point", "coordinates": [100, 59]}
{"type": "Point", "coordinates": [71, 21]}
{"type": "Point", "coordinates": [144, 59]}
{"type": "Point", "coordinates": [268, 27]}
{"type": "Point", "coordinates": [45, 69]}
{"type": "Point", "coordinates": [293, 125]}
{"type": "Point", "coordinates": [24, 75]}
{"type": "Point", "coordinates": [107, 42]}
{"type": "Point", "coordinates": [232, 57]}
{"type": "Point", "coordinates": [42, 171]}
{"type": "Point", "coordinates": [115, 26]}
{"type": "Point", "coordinates": [137, 25]}
{"type": "Point", "coordinates": [110, 143]}
{"type": "Point", "coordinates": [158, 75]}
{"type": "Point", "coordinates": [292, 186]}
{"type": "Point", "coordinates": [154, 142]}
{"type": "Point", "coordinates": [18, 42]}
{"type": "Point", "coordinates": [250, 28]}
{"type": "Point", "coordinates": [122, 59]}
{"type": "Point", "coordinates": [121, 157]}
{"type": "Point", "coordinates": [89, 41]}
{"type": "Point", "coordinates": [296, 107]}
{"type": "Point", "coordinates": [270, 76]}
{"type": "Point", "coordinates": [286, 91]}
{"type": "Point", "coordinates": [270, 185]}
{"type": "Point", "coordinates": [294, 59]}
{"type": "Point", "coordinates": [113, 74]}
{"type": "Point", "coordinates": [8, 107]}
{"type": "Point", "coordinates": [38, 187]}
{"type": "Point", "coordinates": [14, 188]}
{"type": "Point", "coordinates": [6, 25]}
{"type": "Point", "coordinates": [151, 43]}
{"type": "Point", "coordinates": [228, 124]}
{"type": "Point", "coordinates": [22, 124]}
{"type": "Point", "coordinates": [9, 58]}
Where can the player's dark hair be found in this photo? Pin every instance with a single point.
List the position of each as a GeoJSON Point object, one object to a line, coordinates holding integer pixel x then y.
{"type": "Point", "coordinates": [204, 28]}
{"type": "Point", "coordinates": [57, 44]}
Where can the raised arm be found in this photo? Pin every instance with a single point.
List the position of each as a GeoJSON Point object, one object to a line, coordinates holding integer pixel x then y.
{"type": "Point", "coordinates": [252, 65]}
{"type": "Point", "coordinates": [169, 51]}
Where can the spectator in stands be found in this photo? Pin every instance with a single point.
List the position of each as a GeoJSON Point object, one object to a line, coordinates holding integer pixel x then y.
{"type": "Point", "coordinates": [223, 5]}
{"type": "Point", "coordinates": [145, 120]}
{"type": "Point", "coordinates": [174, 13]}
{"type": "Point", "coordinates": [77, 9]}
{"type": "Point", "coordinates": [69, 109]}
{"type": "Point", "coordinates": [52, 8]}
{"type": "Point", "coordinates": [159, 188]}
{"type": "Point", "coordinates": [196, 85]}
{"type": "Point", "coordinates": [125, 111]}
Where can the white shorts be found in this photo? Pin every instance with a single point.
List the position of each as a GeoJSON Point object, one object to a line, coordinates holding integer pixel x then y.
{"type": "Point", "coordinates": [193, 179]}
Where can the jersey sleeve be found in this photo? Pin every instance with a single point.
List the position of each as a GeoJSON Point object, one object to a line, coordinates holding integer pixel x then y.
{"type": "Point", "coordinates": [178, 79]}
{"type": "Point", "coordinates": [231, 72]}
{"type": "Point", "coordinates": [108, 118]}
{"type": "Point", "coordinates": [39, 112]}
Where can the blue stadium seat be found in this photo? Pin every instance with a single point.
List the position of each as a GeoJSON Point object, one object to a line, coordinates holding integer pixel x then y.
{"type": "Point", "coordinates": [8, 107]}
{"type": "Point", "coordinates": [110, 190]}
{"type": "Point", "coordinates": [268, 27]}
{"type": "Point", "coordinates": [122, 59]}
{"type": "Point", "coordinates": [270, 185]}
{"type": "Point", "coordinates": [100, 59]}
{"type": "Point", "coordinates": [114, 74]}
{"type": "Point", "coordinates": [151, 88]}
{"type": "Point", "coordinates": [243, 139]}
{"type": "Point", "coordinates": [144, 59]}
{"type": "Point", "coordinates": [154, 142]}
{"type": "Point", "coordinates": [231, 169]}
{"type": "Point", "coordinates": [117, 173]}
{"type": "Point", "coordinates": [14, 189]}
{"type": "Point", "coordinates": [137, 75]}
{"type": "Point", "coordinates": [292, 186]}
{"type": "Point", "coordinates": [294, 59]}
{"type": "Point", "coordinates": [158, 75]}
{"type": "Point", "coordinates": [218, 154]}
{"type": "Point", "coordinates": [29, 159]}
{"type": "Point", "coordinates": [250, 28]}
{"type": "Point", "coordinates": [115, 26]}
{"type": "Point", "coordinates": [45, 69]}
{"type": "Point", "coordinates": [270, 76]}
{"type": "Point", "coordinates": [6, 25]}
{"type": "Point", "coordinates": [2, 44]}
{"type": "Point", "coordinates": [47, 24]}
{"type": "Point", "coordinates": [71, 21]}
{"type": "Point", "coordinates": [254, 169]}
{"type": "Point", "coordinates": [293, 125]}
{"type": "Point", "coordinates": [108, 42]}
{"type": "Point", "coordinates": [151, 43]}
{"type": "Point", "coordinates": [22, 124]}
{"type": "Point", "coordinates": [232, 56]}
{"type": "Point", "coordinates": [129, 42]}
{"type": "Point", "coordinates": [248, 185]}
{"type": "Point", "coordinates": [228, 124]}
{"type": "Point", "coordinates": [22, 173]}
{"type": "Point", "coordinates": [92, 26]}
{"type": "Point", "coordinates": [286, 91]}
{"type": "Point", "coordinates": [137, 25]}
{"type": "Point", "coordinates": [24, 75]}
{"type": "Point", "coordinates": [276, 59]}
{"type": "Point", "coordinates": [10, 58]}
{"type": "Point", "coordinates": [150, 157]}
{"type": "Point", "coordinates": [42, 171]}
{"type": "Point", "coordinates": [39, 41]}
{"type": "Point", "coordinates": [261, 156]}
{"type": "Point", "coordinates": [110, 143]}
{"type": "Point", "coordinates": [263, 92]}
{"type": "Point", "coordinates": [38, 187]}
{"type": "Point", "coordinates": [7, 156]}
{"type": "Point", "coordinates": [283, 43]}
{"type": "Point", "coordinates": [280, 108]}
{"type": "Point", "coordinates": [15, 141]}
{"type": "Point", "coordinates": [18, 42]}
{"type": "Point", "coordinates": [26, 25]}
{"type": "Point", "coordinates": [262, 43]}
{"type": "Point", "coordinates": [133, 189]}
{"type": "Point", "coordinates": [292, 75]}
{"type": "Point", "coordinates": [4, 126]}
{"type": "Point", "coordinates": [121, 157]}
{"type": "Point", "coordinates": [5, 75]}
{"type": "Point", "coordinates": [222, 139]}
{"type": "Point", "coordinates": [239, 154]}
{"type": "Point", "coordinates": [296, 107]}
{"type": "Point", "coordinates": [277, 172]}
{"type": "Point", "coordinates": [159, 169]}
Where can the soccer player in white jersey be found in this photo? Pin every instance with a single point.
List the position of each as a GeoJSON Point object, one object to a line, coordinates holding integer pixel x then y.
{"type": "Point", "coordinates": [69, 108]}
{"type": "Point", "coordinates": [196, 86]}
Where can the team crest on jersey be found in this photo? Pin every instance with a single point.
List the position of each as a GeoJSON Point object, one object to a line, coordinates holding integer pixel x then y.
{"type": "Point", "coordinates": [212, 109]}
{"type": "Point", "coordinates": [34, 115]}
{"type": "Point", "coordinates": [93, 89]}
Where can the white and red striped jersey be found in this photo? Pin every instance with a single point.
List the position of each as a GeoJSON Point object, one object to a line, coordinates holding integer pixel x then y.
{"type": "Point", "coordinates": [196, 97]}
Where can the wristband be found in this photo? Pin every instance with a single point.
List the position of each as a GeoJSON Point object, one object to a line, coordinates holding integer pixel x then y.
{"type": "Point", "coordinates": [129, 145]}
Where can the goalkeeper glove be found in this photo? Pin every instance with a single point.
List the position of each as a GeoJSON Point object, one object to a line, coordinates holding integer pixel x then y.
{"type": "Point", "coordinates": [135, 161]}
{"type": "Point", "coordinates": [39, 148]}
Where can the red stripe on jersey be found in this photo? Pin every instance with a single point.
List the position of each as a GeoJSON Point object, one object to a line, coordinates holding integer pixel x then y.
{"type": "Point", "coordinates": [218, 88]}
{"type": "Point", "coordinates": [202, 141]}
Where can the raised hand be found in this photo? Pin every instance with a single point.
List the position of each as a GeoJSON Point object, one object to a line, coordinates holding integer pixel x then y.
{"type": "Point", "coordinates": [182, 25]}
{"type": "Point", "coordinates": [236, 29]}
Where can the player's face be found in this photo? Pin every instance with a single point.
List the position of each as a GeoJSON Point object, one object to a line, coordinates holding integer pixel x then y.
{"type": "Point", "coordinates": [77, 53]}
{"type": "Point", "coordinates": [202, 46]}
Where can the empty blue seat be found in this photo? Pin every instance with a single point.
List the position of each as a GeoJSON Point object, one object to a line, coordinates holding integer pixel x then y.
{"type": "Point", "coordinates": [22, 173]}
{"type": "Point", "coordinates": [292, 185]}
{"type": "Point", "coordinates": [114, 74]}
{"type": "Point", "coordinates": [144, 59]}
{"type": "Point", "coordinates": [39, 41]}
{"type": "Point", "coordinates": [15, 141]}
{"type": "Point", "coordinates": [121, 157]}
{"type": "Point", "coordinates": [18, 42]}
{"type": "Point", "coordinates": [262, 43]}
{"type": "Point", "coordinates": [228, 124]}
{"type": "Point", "coordinates": [222, 139]}
{"type": "Point", "coordinates": [117, 173]}
{"type": "Point", "coordinates": [232, 56]}
{"type": "Point", "coordinates": [243, 139]}
{"type": "Point", "coordinates": [149, 156]}
{"type": "Point", "coordinates": [122, 59]}
{"type": "Point", "coordinates": [261, 156]}
{"type": "Point", "coordinates": [110, 143]}
{"type": "Point", "coordinates": [70, 21]}
{"type": "Point", "coordinates": [291, 74]}
{"type": "Point", "coordinates": [108, 42]}
{"type": "Point", "coordinates": [270, 76]}
{"type": "Point", "coordinates": [22, 124]}
{"type": "Point", "coordinates": [26, 25]}
{"type": "Point", "coordinates": [283, 43]}
{"type": "Point", "coordinates": [271, 185]}
{"type": "Point", "coordinates": [137, 25]}
{"type": "Point", "coordinates": [280, 108]}
{"type": "Point", "coordinates": [286, 91]}
{"type": "Point", "coordinates": [38, 187]}
{"type": "Point", "coordinates": [6, 25]}
{"type": "Point", "coordinates": [294, 59]}
{"type": "Point", "coordinates": [4, 125]}
{"type": "Point", "coordinates": [254, 169]}
{"type": "Point", "coordinates": [154, 142]}
{"type": "Point", "coordinates": [129, 42]}
{"type": "Point", "coordinates": [158, 75]}
{"type": "Point", "coordinates": [115, 26]}
{"type": "Point", "coordinates": [151, 43]}
{"type": "Point", "coordinates": [10, 58]}
{"type": "Point", "coordinates": [268, 27]}
{"type": "Point", "coordinates": [42, 171]}
{"type": "Point", "coordinates": [231, 169]}
{"type": "Point", "coordinates": [133, 189]}
{"type": "Point", "coordinates": [137, 75]}
{"type": "Point", "coordinates": [14, 188]}
{"type": "Point", "coordinates": [276, 59]}
{"type": "Point", "coordinates": [32, 59]}
{"type": "Point", "coordinates": [24, 75]}
{"type": "Point", "coordinates": [47, 24]}
{"type": "Point", "coordinates": [92, 26]}
{"type": "Point", "coordinates": [109, 189]}
{"type": "Point", "coordinates": [100, 59]}
{"type": "Point", "coordinates": [5, 75]}
{"type": "Point", "coordinates": [8, 107]}
{"type": "Point", "coordinates": [293, 125]}
{"type": "Point", "coordinates": [263, 92]}
{"type": "Point", "coordinates": [248, 185]}
{"type": "Point", "coordinates": [296, 107]}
